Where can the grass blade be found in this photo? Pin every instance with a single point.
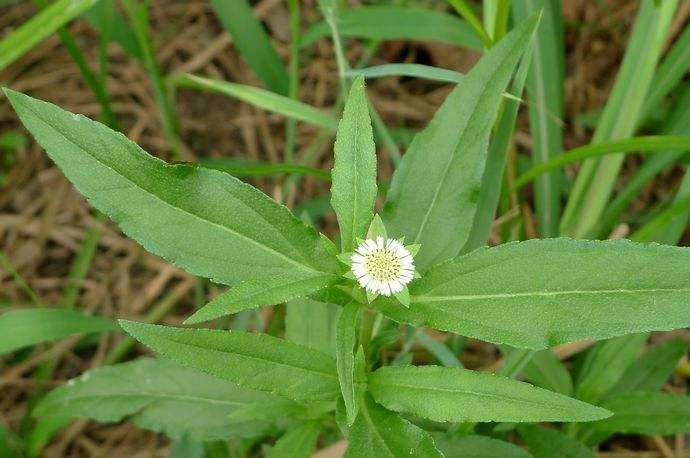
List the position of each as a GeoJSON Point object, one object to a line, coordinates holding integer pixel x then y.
{"type": "Point", "coordinates": [621, 116]}
{"type": "Point", "coordinates": [266, 100]}
{"type": "Point", "coordinates": [243, 168]}
{"type": "Point", "coordinates": [413, 70]}
{"type": "Point", "coordinates": [648, 144]}
{"type": "Point", "coordinates": [253, 43]}
{"type": "Point", "coordinates": [545, 90]}
{"type": "Point", "coordinates": [398, 23]}
{"type": "Point", "coordinates": [40, 27]}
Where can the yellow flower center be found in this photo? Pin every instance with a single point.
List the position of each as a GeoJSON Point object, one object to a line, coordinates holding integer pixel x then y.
{"type": "Point", "coordinates": [383, 265]}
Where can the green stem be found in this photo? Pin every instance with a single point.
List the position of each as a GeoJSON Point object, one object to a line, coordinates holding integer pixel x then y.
{"type": "Point", "coordinates": [17, 277]}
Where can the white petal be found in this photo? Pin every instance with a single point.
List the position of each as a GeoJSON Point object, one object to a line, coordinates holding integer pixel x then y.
{"type": "Point", "coordinates": [357, 259]}
{"type": "Point", "coordinates": [386, 289]}
{"type": "Point", "coordinates": [379, 242]}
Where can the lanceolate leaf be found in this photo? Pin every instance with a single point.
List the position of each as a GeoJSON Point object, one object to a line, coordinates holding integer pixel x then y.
{"type": "Point", "coordinates": [160, 396]}
{"type": "Point", "coordinates": [258, 293]}
{"type": "Point", "coordinates": [380, 433]}
{"type": "Point", "coordinates": [395, 22]}
{"type": "Point", "coordinates": [204, 221]}
{"type": "Point", "coordinates": [458, 395]}
{"type": "Point", "coordinates": [345, 357]}
{"type": "Point", "coordinates": [21, 328]}
{"type": "Point", "coordinates": [547, 442]}
{"type": "Point", "coordinates": [553, 291]}
{"type": "Point", "coordinates": [433, 195]}
{"type": "Point", "coordinates": [250, 360]}
{"type": "Point", "coordinates": [298, 442]}
{"type": "Point", "coordinates": [653, 369]}
{"type": "Point", "coordinates": [477, 447]}
{"type": "Point", "coordinates": [353, 192]}
{"type": "Point", "coordinates": [547, 371]}
{"type": "Point", "coordinates": [646, 413]}
{"type": "Point", "coordinates": [605, 363]}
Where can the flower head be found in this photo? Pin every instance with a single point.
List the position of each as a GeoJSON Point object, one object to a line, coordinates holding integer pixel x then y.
{"type": "Point", "coordinates": [382, 266]}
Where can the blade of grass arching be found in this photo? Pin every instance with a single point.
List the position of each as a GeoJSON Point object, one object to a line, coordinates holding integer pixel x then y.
{"type": "Point", "coordinates": [671, 222]}
{"type": "Point", "coordinates": [414, 70]}
{"type": "Point", "coordinates": [383, 134]}
{"type": "Point", "coordinates": [40, 27]}
{"type": "Point", "coordinates": [80, 266]}
{"type": "Point", "coordinates": [138, 15]}
{"type": "Point", "coordinates": [664, 144]}
{"type": "Point", "coordinates": [495, 18]}
{"type": "Point", "coordinates": [94, 83]}
{"type": "Point", "coordinates": [490, 192]}
{"type": "Point", "coordinates": [671, 71]}
{"type": "Point", "coordinates": [253, 43]}
{"type": "Point", "coordinates": [676, 124]}
{"type": "Point", "coordinates": [467, 13]}
{"type": "Point", "coordinates": [258, 97]}
{"type": "Point", "coordinates": [391, 22]}
{"type": "Point", "coordinates": [620, 118]}
{"type": "Point", "coordinates": [241, 168]}
{"type": "Point", "coordinates": [545, 90]}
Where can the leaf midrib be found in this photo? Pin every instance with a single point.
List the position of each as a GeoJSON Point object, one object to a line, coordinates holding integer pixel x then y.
{"type": "Point", "coordinates": [422, 298]}
{"type": "Point", "coordinates": [143, 189]}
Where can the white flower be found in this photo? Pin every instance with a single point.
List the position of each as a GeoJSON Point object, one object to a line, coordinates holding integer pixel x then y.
{"type": "Point", "coordinates": [382, 266]}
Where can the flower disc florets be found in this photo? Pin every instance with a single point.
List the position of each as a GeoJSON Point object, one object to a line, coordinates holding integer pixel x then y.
{"type": "Point", "coordinates": [382, 266]}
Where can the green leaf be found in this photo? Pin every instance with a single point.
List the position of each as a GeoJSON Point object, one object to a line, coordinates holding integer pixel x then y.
{"type": "Point", "coordinates": [244, 168]}
{"type": "Point", "coordinates": [345, 341]}
{"type": "Point", "coordinates": [557, 303]}
{"type": "Point", "coordinates": [40, 27]}
{"type": "Point", "coordinates": [156, 395]}
{"type": "Point", "coordinates": [621, 116]}
{"type": "Point", "coordinates": [25, 327]}
{"type": "Point", "coordinates": [605, 363]}
{"type": "Point", "coordinates": [277, 409]}
{"type": "Point", "coordinates": [256, 361]}
{"type": "Point", "coordinates": [253, 43]}
{"type": "Point", "coordinates": [547, 371]}
{"type": "Point", "coordinates": [477, 447]}
{"type": "Point", "coordinates": [312, 324]}
{"type": "Point", "coordinates": [353, 192]}
{"type": "Point", "coordinates": [546, 443]}
{"type": "Point", "coordinates": [545, 83]}
{"type": "Point", "coordinates": [459, 395]}
{"type": "Point", "coordinates": [433, 194]}
{"type": "Point", "coordinates": [105, 18]}
{"type": "Point", "coordinates": [266, 100]}
{"type": "Point", "coordinates": [204, 221]}
{"type": "Point", "coordinates": [646, 413]}
{"type": "Point", "coordinates": [653, 369]}
{"type": "Point", "coordinates": [649, 144]}
{"type": "Point", "coordinates": [397, 22]}
{"type": "Point", "coordinates": [298, 442]}
{"type": "Point", "coordinates": [380, 433]}
{"type": "Point", "coordinates": [496, 160]}
{"type": "Point", "coordinates": [252, 294]}
{"type": "Point", "coordinates": [413, 70]}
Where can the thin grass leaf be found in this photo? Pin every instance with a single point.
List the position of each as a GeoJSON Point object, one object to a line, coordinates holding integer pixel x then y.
{"type": "Point", "coordinates": [647, 144]}
{"type": "Point", "coordinates": [467, 13]}
{"type": "Point", "coordinates": [40, 27]}
{"type": "Point", "coordinates": [433, 196]}
{"type": "Point", "coordinates": [473, 294]}
{"type": "Point", "coordinates": [378, 22]}
{"type": "Point", "coordinates": [652, 371]}
{"type": "Point", "coordinates": [452, 394]}
{"type": "Point", "coordinates": [161, 205]}
{"type": "Point", "coordinates": [22, 328]}
{"type": "Point", "coordinates": [438, 349]}
{"type": "Point", "coordinates": [256, 361]}
{"type": "Point", "coordinates": [244, 168]}
{"type": "Point", "coordinates": [669, 226]}
{"type": "Point", "coordinates": [621, 116]}
{"type": "Point", "coordinates": [413, 70]}
{"type": "Point", "coordinates": [104, 17]}
{"type": "Point", "coordinates": [545, 90]}
{"type": "Point", "coordinates": [253, 43]}
{"type": "Point", "coordinates": [298, 442]}
{"type": "Point", "coordinates": [547, 371]}
{"type": "Point", "coordinates": [266, 100]}
{"type": "Point", "coordinates": [353, 192]}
